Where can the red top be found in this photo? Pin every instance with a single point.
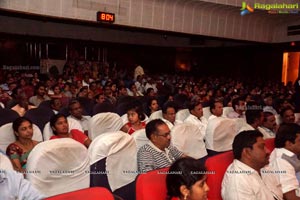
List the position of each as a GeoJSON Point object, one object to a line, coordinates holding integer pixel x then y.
{"type": "Point", "coordinates": [76, 135]}
{"type": "Point", "coordinates": [132, 130]}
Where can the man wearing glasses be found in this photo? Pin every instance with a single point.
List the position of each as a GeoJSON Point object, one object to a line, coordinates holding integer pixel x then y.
{"type": "Point", "coordinates": [158, 153]}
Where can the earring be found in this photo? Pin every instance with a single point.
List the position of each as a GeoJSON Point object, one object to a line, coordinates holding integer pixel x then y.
{"type": "Point", "coordinates": [185, 197]}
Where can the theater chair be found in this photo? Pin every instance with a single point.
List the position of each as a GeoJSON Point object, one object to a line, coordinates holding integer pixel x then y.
{"type": "Point", "coordinates": [182, 114]}
{"type": "Point", "coordinates": [188, 139]}
{"type": "Point", "coordinates": [94, 193]}
{"type": "Point", "coordinates": [104, 123]}
{"type": "Point", "coordinates": [113, 163]}
{"type": "Point", "coordinates": [216, 167]}
{"type": "Point", "coordinates": [140, 138]}
{"type": "Point", "coordinates": [270, 144]}
{"type": "Point", "coordinates": [58, 166]}
{"type": "Point", "coordinates": [156, 115]}
{"type": "Point", "coordinates": [152, 185]}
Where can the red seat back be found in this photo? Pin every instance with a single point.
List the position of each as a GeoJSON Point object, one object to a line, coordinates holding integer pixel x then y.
{"type": "Point", "coordinates": [152, 185]}
{"type": "Point", "coordinates": [94, 193]}
{"type": "Point", "coordinates": [216, 166]}
{"type": "Point", "coordinates": [270, 144]}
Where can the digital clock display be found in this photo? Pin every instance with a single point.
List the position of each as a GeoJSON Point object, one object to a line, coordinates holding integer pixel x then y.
{"type": "Point", "coordinates": [105, 17]}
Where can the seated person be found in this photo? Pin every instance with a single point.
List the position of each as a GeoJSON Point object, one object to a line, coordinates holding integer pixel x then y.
{"type": "Point", "coordinates": [76, 113]}
{"type": "Point", "coordinates": [19, 151]}
{"type": "Point", "coordinates": [60, 128]}
{"type": "Point", "coordinates": [285, 158]}
{"type": "Point", "coordinates": [196, 116]}
{"type": "Point", "coordinates": [245, 177]}
{"type": "Point", "coordinates": [169, 111]}
{"type": "Point", "coordinates": [14, 186]}
{"type": "Point", "coordinates": [158, 153]}
{"type": "Point", "coordinates": [287, 115]}
{"type": "Point", "coordinates": [239, 107]}
{"type": "Point", "coordinates": [269, 126]}
{"type": "Point", "coordinates": [184, 182]}
{"type": "Point", "coordinates": [135, 115]}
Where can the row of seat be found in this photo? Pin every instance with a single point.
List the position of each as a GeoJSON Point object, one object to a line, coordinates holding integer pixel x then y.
{"type": "Point", "coordinates": [61, 166]}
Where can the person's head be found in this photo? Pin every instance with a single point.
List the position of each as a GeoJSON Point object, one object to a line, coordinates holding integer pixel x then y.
{"type": "Point", "coordinates": [238, 104]}
{"type": "Point", "coordinates": [75, 109]}
{"type": "Point", "coordinates": [249, 148]}
{"type": "Point", "coordinates": [288, 136]}
{"type": "Point", "coordinates": [100, 98]}
{"type": "Point", "coordinates": [268, 100]}
{"type": "Point", "coordinates": [152, 104]}
{"type": "Point", "coordinates": [40, 90]}
{"type": "Point", "coordinates": [254, 117]}
{"type": "Point", "coordinates": [83, 92]}
{"type": "Point", "coordinates": [59, 124]}
{"type": "Point", "coordinates": [169, 110]}
{"type": "Point", "coordinates": [122, 91]}
{"type": "Point", "coordinates": [195, 108]}
{"type": "Point", "coordinates": [269, 121]}
{"type": "Point", "coordinates": [23, 128]}
{"type": "Point", "coordinates": [150, 92]}
{"type": "Point", "coordinates": [158, 132]}
{"type": "Point", "coordinates": [186, 181]}
{"type": "Point", "coordinates": [216, 108]}
{"type": "Point", "coordinates": [56, 89]}
{"type": "Point", "coordinates": [55, 104]}
{"type": "Point", "coordinates": [287, 115]}
{"type": "Point", "coordinates": [135, 113]}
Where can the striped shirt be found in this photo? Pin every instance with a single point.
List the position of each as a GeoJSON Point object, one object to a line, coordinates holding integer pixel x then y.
{"type": "Point", "coordinates": [150, 157]}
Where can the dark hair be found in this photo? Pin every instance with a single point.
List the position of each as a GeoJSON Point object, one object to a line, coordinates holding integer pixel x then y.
{"type": "Point", "coordinates": [244, 139]}
{"type": "Point", "coordinates": [185, 171]}
{"type": "Point", "coordinates": [235, 102]}
{"type": "Point", "coordinates": [138, 109]}
{"type": "Point", "coordinates": [252, 115]}
{"type": "Point", "coordinates": [286, 132]}
{"type": "Point", "coordinates": [169, 104]}
{"type": "Point", "coordinates": [72, 102]}
{"type": "Point", "coordinates": [149, 90]}
{"type": "Point", "coordinates": [193, 104]}
{"type": "Point", "coordinates": [17, 123]}
{"type": "Point", "coordinates": [212, 104]}
{"type": "Point", "coordinates": [54, 119]}
{"type": "Point", "coordinates": [266, 115]}
{"type": "Point", "coordinates": [151, 127]}
{"type": "Point", "coordinates": [285, 109]}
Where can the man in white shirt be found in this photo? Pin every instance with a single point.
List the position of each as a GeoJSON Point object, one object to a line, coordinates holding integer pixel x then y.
{"type": "Point", "coordinates": [254, 119]}
{"type": "Point", "coordinates": [169, 111]}
{"type": "Point", "coordinates": [76, 113]}
{"type": "Point", "coordinates": [245, 177]}
{"type": "Point", "coordinates": [14, 186]}
{"type": "Point", "coordinates": [196, 116]}
{"type": "Point", "coordinates": [269, 104]}
{"type": "Point", "coordinates": [269, 126]}
{"type": "Point", "coordinates": [285, 160]}
{"type": "Point", "coordinates": [239, 107]}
